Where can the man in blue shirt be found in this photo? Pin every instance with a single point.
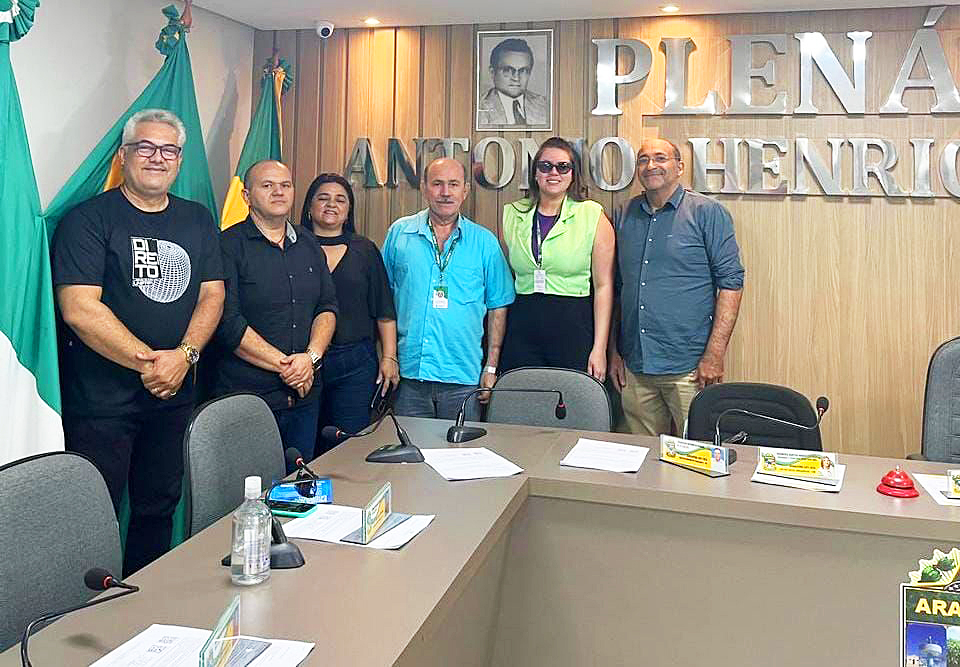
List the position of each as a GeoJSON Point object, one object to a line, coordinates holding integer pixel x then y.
{"type": "Point", "coordinates": [679, 283]}
{"type": "Point", "coordinates": [446, 273]}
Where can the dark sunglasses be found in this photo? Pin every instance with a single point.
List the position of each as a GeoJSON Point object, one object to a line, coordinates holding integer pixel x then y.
{"type": "Point", "coordinates": [545, 167]}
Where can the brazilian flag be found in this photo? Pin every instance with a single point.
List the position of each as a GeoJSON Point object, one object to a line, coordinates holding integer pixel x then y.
{"type": "Point", "coordinates": [171, 89]}
{"type": "Point", "coordinates": [264, 138]}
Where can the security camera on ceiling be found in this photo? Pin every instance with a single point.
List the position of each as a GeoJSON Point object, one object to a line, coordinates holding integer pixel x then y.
{"type": "Point", "coordinates": [324, 29]}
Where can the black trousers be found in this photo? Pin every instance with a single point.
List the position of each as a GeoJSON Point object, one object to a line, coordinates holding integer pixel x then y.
{"type": "Point", "coordinates": [548, 330]}
{"type": "Point", "coordinates": [145, 453]}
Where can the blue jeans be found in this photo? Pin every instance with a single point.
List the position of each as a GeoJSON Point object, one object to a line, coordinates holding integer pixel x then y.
{"type": "Point", "coordinates": [349, 378]}
{"type": "Point", "coordinates": [298, 428]}
{"type": "Point", "coordinates": [438, 400]}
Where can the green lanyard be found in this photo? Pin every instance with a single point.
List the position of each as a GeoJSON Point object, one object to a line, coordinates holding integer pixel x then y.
{"type": "Point", "coordinates": [441, 264]}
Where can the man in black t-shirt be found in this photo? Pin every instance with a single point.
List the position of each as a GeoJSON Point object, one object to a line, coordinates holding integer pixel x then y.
{"type": "Point", "coordinates": [139, 283]}
{"type": "Point", "coordinates": [280, 310]}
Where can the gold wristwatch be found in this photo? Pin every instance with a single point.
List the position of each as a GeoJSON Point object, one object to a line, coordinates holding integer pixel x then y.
{"type": "Point", "coordinates": [192, 353]}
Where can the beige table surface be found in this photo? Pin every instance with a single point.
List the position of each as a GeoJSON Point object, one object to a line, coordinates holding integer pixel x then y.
{"type": "Point", "coordinates": [450, 592]}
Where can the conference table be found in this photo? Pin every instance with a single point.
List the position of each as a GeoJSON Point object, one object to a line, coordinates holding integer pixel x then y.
{"type": "Point", "coordinates": [562, 566]}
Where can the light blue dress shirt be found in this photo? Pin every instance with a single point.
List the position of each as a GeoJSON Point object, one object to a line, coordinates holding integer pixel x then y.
{"type": "Point", "coordinates": [444, 344]}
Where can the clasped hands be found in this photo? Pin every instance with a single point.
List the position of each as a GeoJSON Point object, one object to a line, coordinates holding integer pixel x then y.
{"type": "Point", "coordinates": [162, 371]}
{"type": "Point", "coordinates": [296, 370]}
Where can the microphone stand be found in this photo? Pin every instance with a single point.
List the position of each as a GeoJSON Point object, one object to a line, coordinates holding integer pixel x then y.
{"type": "Point", "coordinates": [822, 405]}
{"type": "Point", "coordinates": [28, 631]}
{"type": "Point", "coordinates": [459, 433]}
{"type": "Point", "coordinates": [404, 452]}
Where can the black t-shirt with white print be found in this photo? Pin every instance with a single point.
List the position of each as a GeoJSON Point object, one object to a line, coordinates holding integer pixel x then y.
{"type": "Point", "coordinates": [150, 266]}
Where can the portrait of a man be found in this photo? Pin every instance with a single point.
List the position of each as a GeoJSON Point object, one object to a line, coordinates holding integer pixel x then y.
{"type": "Point", "coordinates": [514, 80]}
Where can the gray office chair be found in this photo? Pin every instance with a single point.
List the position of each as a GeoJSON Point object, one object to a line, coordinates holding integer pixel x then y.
{"type": "Point", "coordinates": [57, 522]}
{"type": "Point", "coordinates": [941, 406]}
{"type": "Point", "coordinates": [228, 439]}
{"type": "Point", "coordinates": [587, 402]}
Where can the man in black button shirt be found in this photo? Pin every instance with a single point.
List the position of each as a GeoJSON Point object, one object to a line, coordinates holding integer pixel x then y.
{"type": "Point", "coordinates": [140, 287]}
{"type": "Point", "coordinates": [280, 310]}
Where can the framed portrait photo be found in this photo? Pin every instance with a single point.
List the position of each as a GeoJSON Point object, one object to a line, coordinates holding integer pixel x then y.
{"type": "Point", "coordinates": [514, 80]}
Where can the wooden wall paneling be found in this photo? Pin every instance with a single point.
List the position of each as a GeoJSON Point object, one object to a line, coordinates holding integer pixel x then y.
{"type": "Point", "coordinates": [287, 48]}
{"type": "Point", "coordinates": [633, 100]}
{"type": "Point", "coordinates": [485, 202]}
{"type": "Point", "coordinates": [334, 146]}
{"type": "Point", "coordinates": [405, 200]}
{"type": "Point", "coordinates": [540, 137]}
{"type": "Point", "coordinates": [460, 47]}
{"type": "Point", "coordinates": [305, 96]}
{"type": "Point", "coordinates": [380, 111]}
{"type": "Point", "coordinates": [359, 91]}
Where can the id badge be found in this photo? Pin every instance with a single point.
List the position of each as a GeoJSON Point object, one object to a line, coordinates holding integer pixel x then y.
{"type": "Point", "coordinates": [540, 281]}
{"type": "Point", "coordinates": [440, 296]}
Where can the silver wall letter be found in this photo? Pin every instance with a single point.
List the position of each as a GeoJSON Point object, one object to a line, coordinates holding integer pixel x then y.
{"type": "Point", "coordinates": [628, 163]}
{"type": "Point", "coordinates": [730, 165]}
{"type": "Point", "coordinates": [397, 156]}
{"type": "Point", "coordinates": [361, 162]}
{"type": "Point", "coordinates": [677, 51]}
{"type": "Point", "coordinates": [948, 168]}
{"type": "Point", "coordinates": [926, 41]}
{"type": "Point", "coordinates": [607, 77]}
{"type": "Point", "coordinates": [528, 148]}
{"type": "Point", "coordinates": [742, 73]}
{"type": "Point", "coordinates": [507, 162]}
{"type": "Point", "coordinates": [814, 49]}
{"type": "Point", "coordinates": [756, 166]}
{"type": "Point", "coordinates": [829, 181]}
{"type": "Point", "coordinates": [881, 169]}
{"type": "Point", "coordinates": [921, 167]}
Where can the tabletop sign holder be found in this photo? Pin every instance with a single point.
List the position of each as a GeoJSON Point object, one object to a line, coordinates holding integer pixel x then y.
{"type": "Point", "coordinates": [378, 517]}
{"type": "Point", "coordinates": [225, 646]}
{"type": "Point", "coordinates": [802, 464]}
{"type": "Point", "coordinates": [702, 457]}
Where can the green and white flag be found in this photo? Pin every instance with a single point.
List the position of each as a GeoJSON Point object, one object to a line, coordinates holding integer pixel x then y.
{"type": "Point", "coordinates": [29, 383]}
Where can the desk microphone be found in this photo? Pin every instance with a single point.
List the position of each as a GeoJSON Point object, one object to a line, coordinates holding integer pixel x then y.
{"type": "Point", "coordinates": [460, 433]}
{"type": "Point", "coordinates": [295, 461]}
{"type": "Point", "coordinates": [823, 403]}
{"type": "Point", "coordinates": [405, 452]}
{"type": "Point", "coordinates": [96, 579]}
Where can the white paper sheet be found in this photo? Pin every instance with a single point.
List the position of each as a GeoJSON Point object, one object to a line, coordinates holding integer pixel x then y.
{"type": "Point", "coordinates": [935, 485]}
{"type": "Point", "coordinates": [602, 455]}
{"type": "Point", "coordinates": [800, 483]}
{"type": "Point", "coordinates": [175, 646]}
{"type": "Point", "coordinates": [331, 523]}
{"type": "Point", "coordinates": [469, 463]}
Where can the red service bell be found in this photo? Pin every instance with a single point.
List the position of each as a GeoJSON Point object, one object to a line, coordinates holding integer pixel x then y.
{"type": "Point", "coordinates": [898, 484]}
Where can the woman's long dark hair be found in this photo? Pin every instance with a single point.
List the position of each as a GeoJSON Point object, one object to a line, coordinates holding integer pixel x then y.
{"type": "Point", "coordinates": [577, 190]}
{"type": "Point", "coordinates": [307, 222]}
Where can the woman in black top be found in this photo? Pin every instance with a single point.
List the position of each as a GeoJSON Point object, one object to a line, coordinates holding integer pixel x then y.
{"type": "Point", "coordinates": [351, 371]}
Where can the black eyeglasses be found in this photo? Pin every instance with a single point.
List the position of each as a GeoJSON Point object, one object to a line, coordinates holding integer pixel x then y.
{"type": "Point", "coordinates": [513, 72]}
{"type": "Point", "coordinates": [545, 167]}
{"type": "Point", "coordinates": [147, 149]}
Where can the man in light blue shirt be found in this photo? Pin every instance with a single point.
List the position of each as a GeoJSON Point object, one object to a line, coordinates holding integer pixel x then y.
{"type": "Point", "coordinates": [447, 273]}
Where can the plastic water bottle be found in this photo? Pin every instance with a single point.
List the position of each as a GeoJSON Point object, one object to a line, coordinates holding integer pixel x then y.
{"type": "Point", "coordinates": [250, 558]}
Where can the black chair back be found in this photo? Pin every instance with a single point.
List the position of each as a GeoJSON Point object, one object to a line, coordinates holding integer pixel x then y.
{"type": "Point", "coordinates": [765, 399]}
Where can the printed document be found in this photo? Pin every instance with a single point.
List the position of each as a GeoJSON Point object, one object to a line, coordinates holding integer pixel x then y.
{"type": "Point", "coordinates": [175, 646]}
{"type": "Point", "coordinates": [602, 455]}
{"type": "Point", "coordinates": [331, 523]}
{"type": "Point", "coordinates": [469, 463]}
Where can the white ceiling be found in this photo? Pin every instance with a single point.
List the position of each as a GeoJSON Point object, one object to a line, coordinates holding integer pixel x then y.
{"type": "Point", "coordinates": [288, 14]}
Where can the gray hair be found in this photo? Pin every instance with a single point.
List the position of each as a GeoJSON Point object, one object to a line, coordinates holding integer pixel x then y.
{"type": "Point", "coordinates": [154, 116]}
